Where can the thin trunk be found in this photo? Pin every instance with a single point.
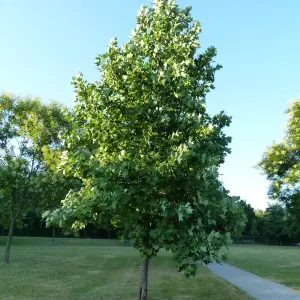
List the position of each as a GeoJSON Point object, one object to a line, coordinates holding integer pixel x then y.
{"type": "Point", "coordinates": [53, 235]}
{"type": "Point", "coordinates": [9, 240]}
{"type": "Point", "coordinates": [13, 218]}
{"type": "Point", "coordinates": [109, 234]}
{"type": "Point", "coordinates": [143, 288]}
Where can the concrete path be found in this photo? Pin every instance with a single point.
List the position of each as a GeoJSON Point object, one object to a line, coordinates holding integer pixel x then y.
{"type": "Point", "coordinates": [255, 286]}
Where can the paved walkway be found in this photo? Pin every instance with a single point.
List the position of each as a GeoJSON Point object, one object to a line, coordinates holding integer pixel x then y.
{"type": "Point", "coordinates": [255, 286]}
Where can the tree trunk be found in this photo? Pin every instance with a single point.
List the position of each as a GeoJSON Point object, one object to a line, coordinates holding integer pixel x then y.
{"type": "Point", "coordinates": [109, 234]}
{"type": "Point", "coordinates": [9, 240]}
{"type": "Point", "coordinates": [53, 235]}
{"type": "Point", "coordinates": [143, 288]}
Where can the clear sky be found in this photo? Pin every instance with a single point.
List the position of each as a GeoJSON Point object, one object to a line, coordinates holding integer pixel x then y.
{"type": "Point", "coordinates": [44, 44]}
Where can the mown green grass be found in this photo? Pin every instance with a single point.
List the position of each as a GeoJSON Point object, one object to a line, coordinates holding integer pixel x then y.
{"type": "Point", "coordinates": [98, 269]}
{"type": "Point", "coordinates": [277, 263]}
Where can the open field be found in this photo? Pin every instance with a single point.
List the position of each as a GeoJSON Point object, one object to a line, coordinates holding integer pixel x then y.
{"type": "Point", "coordinates": [98, 269]}
{"type": "Point", "coordinates": [277, 263]}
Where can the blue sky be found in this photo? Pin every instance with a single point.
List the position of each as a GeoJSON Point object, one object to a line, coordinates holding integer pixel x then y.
{"type": "Point", "coordinates": [44, 44]}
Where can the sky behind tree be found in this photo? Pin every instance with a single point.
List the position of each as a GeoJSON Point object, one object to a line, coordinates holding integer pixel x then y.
{"type": "Point", "coordinates": [44, 44]}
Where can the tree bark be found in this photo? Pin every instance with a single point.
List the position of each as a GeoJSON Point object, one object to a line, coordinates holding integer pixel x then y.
{"type": "Point", "coordinates": [9, 240]}
{"type": "Point", "coordinates": [53, 235]}
{"type": "Point", "coordinates": [143, 288]}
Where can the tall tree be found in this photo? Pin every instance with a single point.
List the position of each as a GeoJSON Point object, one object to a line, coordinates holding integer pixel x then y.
{"type": "Point", "coordinates": [281, 164]}
{"type": "Point", "coordinates": [27, 128]}
{"type": "Point", "coordinates": [145, 147]}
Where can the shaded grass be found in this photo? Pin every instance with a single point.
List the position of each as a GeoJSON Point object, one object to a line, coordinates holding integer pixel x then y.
{"type": "Point", "coordinates": [277, 263]}
{"type": "Point", "coordinates": [98, 269]}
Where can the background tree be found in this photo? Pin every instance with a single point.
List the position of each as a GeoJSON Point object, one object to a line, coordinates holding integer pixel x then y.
{"type": "Point", "coordinates": [44, 128]}
{"type": "Point", "coordinates": [281, 164]}
{"type": "Point", "coordinates": [54, 188]}
{"type": "Point", "coordinates": [145, 147]}
{"type": "Point", "coordinates": [249, 213]}
{"type": "Point", "coordinates": [27, 128]}
{"type": "Point", "coordinates": [274, 222]}
{"type": "Point", "coordinates": [254, 227]}
{"type": "Point", "coordinates": [259, 219]}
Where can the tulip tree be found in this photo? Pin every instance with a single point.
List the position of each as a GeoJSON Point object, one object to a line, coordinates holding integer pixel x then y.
{"type": "Point", "coordinates": [281, 163]}
{"type": "Point", "coordinates": [145, 147]}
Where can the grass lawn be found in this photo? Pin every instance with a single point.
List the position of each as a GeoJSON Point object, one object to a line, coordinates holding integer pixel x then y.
{"type": "Point", "coordinates": [277, 263]}
{"type": "Point", "coordinates": [98, 269]}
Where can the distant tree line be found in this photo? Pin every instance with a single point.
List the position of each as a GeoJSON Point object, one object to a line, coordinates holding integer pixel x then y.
{"type": "Point", "coordinates": [275, 225]}
{"type": "Point", "coordinates": [34, 226]}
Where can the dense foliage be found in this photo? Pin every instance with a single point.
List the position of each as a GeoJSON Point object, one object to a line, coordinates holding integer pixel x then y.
{"type": "Point", "coordinates": [249, 215]}
{"type": "Point", "coordinates": [281, 164]}
{"type": "Point", "coordinates": [145, 147]}
{"type": "Point", "coordinates": [29, 137]}
{"type": "Point", "coordinates": [273, 225]}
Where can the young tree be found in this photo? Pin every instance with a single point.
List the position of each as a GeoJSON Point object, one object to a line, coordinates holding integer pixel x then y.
{"type": "Point", "coordinates": [27, 128]}
{"type": "Point", "coordinates": [145, 147]}
{"type": "Point", "coordinates": [281, 164]}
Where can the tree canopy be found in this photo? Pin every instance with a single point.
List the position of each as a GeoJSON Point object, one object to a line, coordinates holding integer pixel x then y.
{"type": "Point", "coordinates": [145, 147]}
{"type": "Point", "coordinates": [281, 163]}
